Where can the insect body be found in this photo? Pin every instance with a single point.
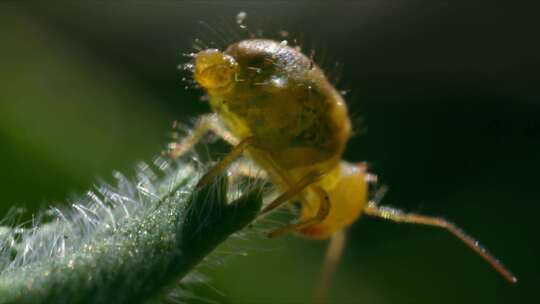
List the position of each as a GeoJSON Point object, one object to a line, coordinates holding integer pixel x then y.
{"type": "Point", "coordinates": [277, 108]}
{"type": "Point", "coordinates": [296, 124]}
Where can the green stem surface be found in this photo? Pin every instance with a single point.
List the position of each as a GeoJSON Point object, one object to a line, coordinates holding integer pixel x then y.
{"type": "Point", "coordinates": [143, 255]}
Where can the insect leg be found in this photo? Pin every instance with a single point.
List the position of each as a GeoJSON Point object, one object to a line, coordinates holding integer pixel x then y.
{"type": "Point", "coordinates": [399, 216]}
{"type": "Point", "coordinates": [292, 191]}
{"type": "Point", "coordinates": [205, 124]}
{"type": "Point", "coordinates": [226, 161]}
{"type": "Point", "coordinates": [322, 213]}
{"type": "Point", "coordinates": [331, 261]}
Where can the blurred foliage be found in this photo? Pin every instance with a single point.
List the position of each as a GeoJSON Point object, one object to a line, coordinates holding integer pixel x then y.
{"type": "Point", "coordinates": [447, 94]}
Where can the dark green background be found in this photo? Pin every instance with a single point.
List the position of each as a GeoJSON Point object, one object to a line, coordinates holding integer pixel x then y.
{"type": "Point", "coordinates": [445, 97]}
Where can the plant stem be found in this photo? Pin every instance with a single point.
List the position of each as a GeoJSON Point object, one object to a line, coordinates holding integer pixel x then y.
{"type": "Point", "coordinates": [142, 254]}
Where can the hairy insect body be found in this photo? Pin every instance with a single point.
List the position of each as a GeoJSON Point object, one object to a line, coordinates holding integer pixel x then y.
{"type": "Point", "coordinates": [284, 101]}
{"type": "Point", "coordinates": [298, 121]}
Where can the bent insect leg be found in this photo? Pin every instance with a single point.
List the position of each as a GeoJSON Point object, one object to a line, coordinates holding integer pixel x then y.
{"type": "Point", "coordinates": [322, 213]}
{"type": "Point", "coordinates": [205, 124]}
{"type": "Point", "coordinates": [294, 190]}
{"type": "Point", "coordinates": [331, 261]}
{"type": "Point", "coordinates": [399, 216]}
{"type": "Point", "coordinates": [226, 161]}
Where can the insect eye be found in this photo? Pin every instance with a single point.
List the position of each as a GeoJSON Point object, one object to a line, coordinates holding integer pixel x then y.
{"type": "Point", "coordinates": [214, 70]}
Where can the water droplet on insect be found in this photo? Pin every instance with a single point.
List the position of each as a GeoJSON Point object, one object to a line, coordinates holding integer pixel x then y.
{"type": "Point", "coordinates": [241, 18]}
{"type": "Point", "coordinates": [189, 55]}
{"type": "Point", "coordinates": [279, 82]}
{"type": "Point", "coordinates": [198, 44]}
{"type": "Point", "coordinates": [284, 42]}
{"type": "Point", "coordinates": [187, 67]}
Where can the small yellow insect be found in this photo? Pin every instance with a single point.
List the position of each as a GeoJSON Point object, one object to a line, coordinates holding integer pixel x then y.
{"type": "Point", "coordinates": [275, 106]}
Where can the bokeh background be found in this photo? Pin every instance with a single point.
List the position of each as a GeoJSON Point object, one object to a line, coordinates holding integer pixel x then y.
{"type": "Point", "coordinates": [445, 97]}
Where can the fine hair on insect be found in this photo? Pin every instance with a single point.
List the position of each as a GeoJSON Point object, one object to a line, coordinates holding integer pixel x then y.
{"type": "Point", "coordinates": [277, 108]}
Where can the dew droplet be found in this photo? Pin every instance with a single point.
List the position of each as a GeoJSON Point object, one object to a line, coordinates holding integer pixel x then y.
{"type": "Point", "coordinates": [189, 55]}
{"type": "Point", "coordinates": [198, 44]}
{"type": "Point", "coordinates": [241, 18]}
{"type": "Point", "coordinates": [187, 67]}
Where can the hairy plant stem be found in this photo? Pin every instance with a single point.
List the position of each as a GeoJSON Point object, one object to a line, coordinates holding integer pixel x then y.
{"type": "Point", "coordinates": [134, 258]}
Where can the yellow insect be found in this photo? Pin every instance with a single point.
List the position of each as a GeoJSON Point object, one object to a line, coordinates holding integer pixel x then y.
{"type": "Point", "coordinates": [275, 106]}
